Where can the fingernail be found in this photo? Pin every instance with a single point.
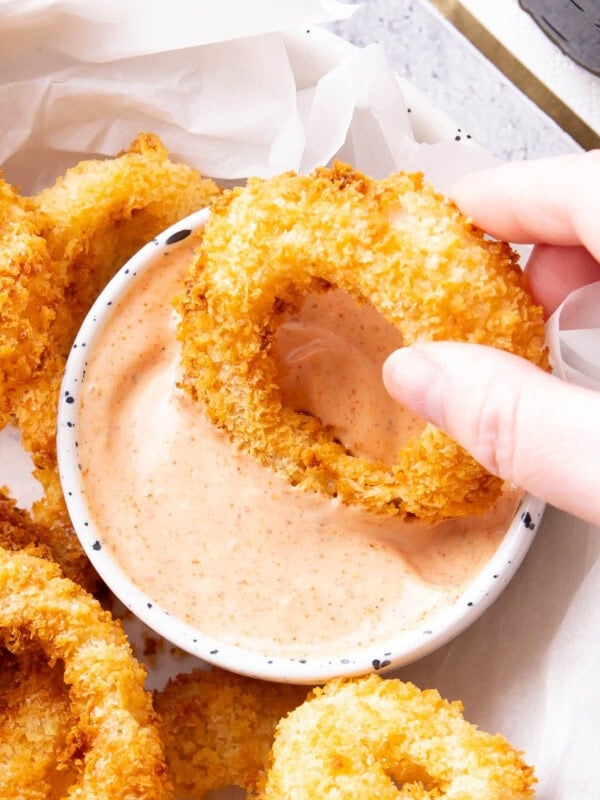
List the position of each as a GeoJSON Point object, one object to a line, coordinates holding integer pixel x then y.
{"type": "Point", "coordinates": [415, 381]}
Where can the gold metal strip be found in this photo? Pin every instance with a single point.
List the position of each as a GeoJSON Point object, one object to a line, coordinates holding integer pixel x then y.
{"type": "Point", "coordinates": [516, 72]}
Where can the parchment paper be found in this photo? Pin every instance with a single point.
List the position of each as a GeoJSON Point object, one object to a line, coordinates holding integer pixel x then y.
{"type": "Point", "coordinates": [231, 94]}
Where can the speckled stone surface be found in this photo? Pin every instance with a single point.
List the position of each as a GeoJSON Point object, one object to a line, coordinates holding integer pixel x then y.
{"type": "Point", "coordinates": [427, 50]}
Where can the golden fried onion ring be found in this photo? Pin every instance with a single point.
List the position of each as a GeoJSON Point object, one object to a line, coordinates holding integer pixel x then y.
{"type": "Point", "coordinates": [217, 729]}
{"type": "Point", "coordinates": [29, 296]}
{"type": "Point", "coordinates": [393, 242]}
{"type": "Point", "coordinates": [122, 752]}
{"type": "Point", "coordinates": [372, 737]}
{"type": "Point", "coordinates": [39, 739]}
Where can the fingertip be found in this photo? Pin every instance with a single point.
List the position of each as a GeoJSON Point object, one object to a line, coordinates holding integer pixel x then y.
{"type": "Point", "coordinates": [519, 422]}
{"type": "Point", "coordinates": [392, 369]}
{"type": "Point", "coordinates": [466, 190]}
{"type": "Point", "coordinates": [414, 380]}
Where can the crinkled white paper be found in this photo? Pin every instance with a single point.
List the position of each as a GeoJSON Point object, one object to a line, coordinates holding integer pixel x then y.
{"type": "Point", "coordinates": [573, 333]}
{"type": "Point", "coordinates": [212, 79]}
{"type": "Point", "coordinates": [215, 80]}
{"type": "Point", "coordinates": [97, 31]}
{"type": "Point", "coordinates": [233, 95]}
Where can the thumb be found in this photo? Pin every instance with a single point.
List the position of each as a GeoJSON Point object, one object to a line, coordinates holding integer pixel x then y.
{"type": "Point", "coordinates": [519, 422]}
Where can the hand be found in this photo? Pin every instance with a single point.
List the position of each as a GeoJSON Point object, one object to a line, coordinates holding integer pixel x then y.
{"type": "Point", "coordinates": [520, 423]}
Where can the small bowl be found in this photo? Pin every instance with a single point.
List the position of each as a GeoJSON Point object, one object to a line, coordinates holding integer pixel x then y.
{"type": "Point", "coordinates": [407, 647]}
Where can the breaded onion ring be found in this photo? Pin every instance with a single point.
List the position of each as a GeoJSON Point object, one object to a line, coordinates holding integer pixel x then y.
{"type": "Point", "coordinates": [218, 728]}
{"type": "Point", "coordinates": [101, 211]}
{"type": "Point", "coordinates": [29, 296]}
{"type": "Point", "coordinates": [121, 750]}
{"type": "Point", "coordinates": [393, 242]}
{"type": "Point", "coordinates": [372, 737]}
{"type": "Point", "coordinates": [52, 539]}
{"type": "Point", "coordinates": [39, 737]}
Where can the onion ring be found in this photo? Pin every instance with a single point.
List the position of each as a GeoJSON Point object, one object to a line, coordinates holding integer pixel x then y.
{"type": "Point", "coordinates": [29, 296]}
{"type": "Point", "coordinates": [373, 737]}
{"type": "Point", "coordinates": [122, 753]}
{"type": "Point", "coordinates": [393, 242]}
{"type": "Point", "coordinates": [218, 728]}
{"type": "Point", "coordinates": [101, 211]}
{"type": "Point", "coordinates": [39, 739]}
{"type": "Point", "coordinates": [52, 538]}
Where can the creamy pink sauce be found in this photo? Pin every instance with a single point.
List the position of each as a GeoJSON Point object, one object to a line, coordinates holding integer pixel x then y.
{"type": "Point", "coordinates": [228, 545]}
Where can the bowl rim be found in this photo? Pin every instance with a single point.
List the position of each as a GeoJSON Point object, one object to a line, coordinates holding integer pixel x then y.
{"type": "Point", "coordinates": [406, 648]}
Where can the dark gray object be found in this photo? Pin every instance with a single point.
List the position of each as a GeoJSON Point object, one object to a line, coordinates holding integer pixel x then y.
{"type": "Point", "coordinates": [574, 25]}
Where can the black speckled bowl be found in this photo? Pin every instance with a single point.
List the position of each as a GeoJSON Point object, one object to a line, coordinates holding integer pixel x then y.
{"type": "Point", "coordinates": [403, 649]}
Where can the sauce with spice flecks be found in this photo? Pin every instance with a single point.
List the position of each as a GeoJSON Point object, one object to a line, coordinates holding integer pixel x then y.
{"type": "Point", "coordinates": [227, 545]}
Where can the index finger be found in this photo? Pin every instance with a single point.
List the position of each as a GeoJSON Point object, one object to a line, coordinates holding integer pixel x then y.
{"type": "Point", "coordinates": [553, 200]}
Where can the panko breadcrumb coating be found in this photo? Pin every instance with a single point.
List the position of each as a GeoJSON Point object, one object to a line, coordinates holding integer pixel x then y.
{"type": "Point", "coordinates": [101, 212]}
{"type": "Point", "coordinates": [218, 728]}
{"type": "Point", "coordinates": [122, 756]}
{"type": "Point", "coordinates": [39, 738]}
{"type": "Point", "coordinates": [394, 242]}
{"type": "Point", "coordinates": [50, 539]}
{"type": "Point", "coordinates": [385, 739]}
{"type": "Point", "coordinates": [30, 293]}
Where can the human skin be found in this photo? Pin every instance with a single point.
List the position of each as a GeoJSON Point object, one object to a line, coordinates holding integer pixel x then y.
{"type": "Point", "coordinates": [522, 424]}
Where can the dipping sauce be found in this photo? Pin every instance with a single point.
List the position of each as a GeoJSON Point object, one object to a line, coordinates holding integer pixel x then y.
{"type": "Point", "coordinates": [224, 543]}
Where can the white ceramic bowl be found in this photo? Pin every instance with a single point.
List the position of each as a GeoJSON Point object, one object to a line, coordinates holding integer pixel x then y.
{"type": "Point", "coordinates": [403, 649]}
